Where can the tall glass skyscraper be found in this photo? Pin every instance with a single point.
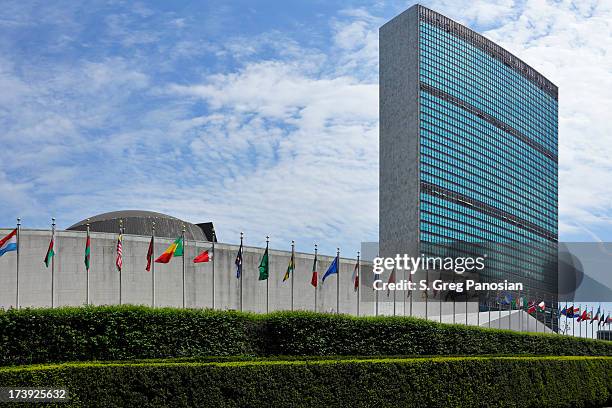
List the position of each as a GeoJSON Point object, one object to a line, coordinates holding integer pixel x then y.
{"type": "Point", "coordinates": [468, 148]}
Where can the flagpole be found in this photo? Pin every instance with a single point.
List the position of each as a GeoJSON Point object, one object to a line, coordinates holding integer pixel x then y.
{"type": "Point", "coordinates": [213, 267]}
{"type": "Point", "coordinates": [153, 264]}
{"type": "Point", "coordinates": [565, 328]}
{"type": "Point", "coordinates": [411, 293]}
{"type": "Point", "coordinates": [440, 301]}
{"type": "Point", "coordinates": [241, 271]}
{"type": "Point", "coordinates": [520, 309]}
{"type": "Point", "coordinates": [489, 306]}
{"type": "Point", "coordinates": [268, 277]}
{"type": "Point", "coordinates": [376, 308]}
{"type": "Point", "coordinates": [183, 239]}
{"type": "Point", "coordinates": [591, 322]}
{"type": "Point", "coordinates": [338, 282]}
{"type": "Point", "coordinates": [53, 264]}
{"type": "Point", "coordinates": [293, 270]}
{"type": "Point", "coordinates": [87, 269]}
{"type": "Point", "coordinates": [427, 295]}
{"type": "Point", "coordinates": [466, 307]}
{"type": "Point", "coordinates": [120, 274]}
{"type": "Point", "coordinates": [316, 287]}
{"type": "Point", "coordinates": [454, 304]}
{"type": "Point", "coordinates": [573, 322]}
{"type": "Point", "coordinates": [17, 272]}
{"type": "Point", "coordinates": [580, 324]}
{"type": "Point", "coordinates": [358, 282]}
{"type": "Point", "coordinates": [510, 313]}
{"type": "Point", "coordinates": [499, 312]}
{"type": "Point", "coordinates": [404, 297]}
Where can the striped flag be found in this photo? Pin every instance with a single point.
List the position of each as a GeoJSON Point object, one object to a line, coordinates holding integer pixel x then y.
{"type": "Point", "coordinates": [596, 317]}
{"type": "Point", "coordinates": [87, 252]}
{"type": "Point", "coordinates": [205, 256]}
{"type": "Point", "coordinates": [314, 281]}
{"type": "Point", "coordinates": [291, 266]}
{"type": "Point", "coordinates": [175, 249]}
{"type": "Point", "coordinates": [8, 243]}
{"type": "Point", "coordinates": [50, 251]}
{"type": "Point", "coordinates": [150, 255]}
{"type": "Point", "coordinates": [119, 261]}
{"type": "Point", "coordinates": [391, 280]}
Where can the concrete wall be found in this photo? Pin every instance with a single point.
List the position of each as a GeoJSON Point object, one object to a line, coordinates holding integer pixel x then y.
{"type": "Point", "coordinates": [70, 278]}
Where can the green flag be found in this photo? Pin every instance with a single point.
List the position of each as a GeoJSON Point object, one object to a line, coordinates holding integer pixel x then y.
{"type": "Point", "coordinates": [87, 252]}
{"type": "Point", "coordinates": [264, 266]}
{"type": "Point", "coordinates": [50, 252]}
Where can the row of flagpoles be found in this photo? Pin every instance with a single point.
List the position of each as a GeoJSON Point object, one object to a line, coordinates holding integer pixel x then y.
{"type": "Point", "coordinates": [176, 249]}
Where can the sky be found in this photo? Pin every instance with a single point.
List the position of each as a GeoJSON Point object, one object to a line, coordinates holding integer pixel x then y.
{"type": "Point", "coordinates": [259, 116]}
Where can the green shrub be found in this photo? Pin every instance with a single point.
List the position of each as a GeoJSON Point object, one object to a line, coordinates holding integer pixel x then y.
{"type": "Point", "coordinates": [133, 332]}
{"type": "Point", "coordinates": [418, 382]}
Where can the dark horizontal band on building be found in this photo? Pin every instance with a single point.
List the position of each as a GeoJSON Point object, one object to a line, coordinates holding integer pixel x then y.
{"type": "Point", "coordinates": [489, 47]}
{"type": "Point", "coordinates": [489, 118]}
{"type": "Point", "coordinates": [487, 209]}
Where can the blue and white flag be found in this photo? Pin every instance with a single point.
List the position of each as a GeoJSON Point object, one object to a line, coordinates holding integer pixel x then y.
{"type": "Point", "coordinates": [8, 243]}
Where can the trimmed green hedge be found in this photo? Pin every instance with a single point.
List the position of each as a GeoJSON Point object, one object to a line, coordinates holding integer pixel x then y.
{"type": "Point", "coordinates": [133, 332]}
{"type": "Point", "coordinates": [425, 382]}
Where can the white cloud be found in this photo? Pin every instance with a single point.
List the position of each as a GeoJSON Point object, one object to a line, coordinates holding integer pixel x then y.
{"type": "Point", "coordinates": [569, 43]}
{"type": "Point", "coordinates": [283, 142]}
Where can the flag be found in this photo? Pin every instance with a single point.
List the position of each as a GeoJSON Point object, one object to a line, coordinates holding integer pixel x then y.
{"type": "Point", "coordinates": [314, 281]}
{"type": "Point", "coordinates": [541, 306]}
{"type": "Point", "coordinates": [391, 280]}
{"type": "Point", "coordinates": [596, 317]}
{"type": "Point", "coordinates": [290, 267]}
{"type": "Point", "coordinates": [8, 243]}
{"type": "Point", "coordinates": [87, 252]}
{"type": "Point", "coordinates": [238, 262]}
{"type": "Point", "coordinates": [205, 256]}
{"type": "Point", "coordinates": [602, 320]}
{"type": "Point", "coordinates": [175, 249]}
{"type": "Point", "coordinates": [149, 255]}
{"type": "Point", "coordinates": [50, 252]}
{"type": "Point", "coordinates": [264, 265]}
{"type": "Point", "coordinates": [583, 316]}
{"type": "Point", "coordinates": [505, 299]}
{"type": "Point", "coordinates": [564, 311]}
{"type": "Point", "coordinates": [608, 319]}
{"type": "Point", "coordinates": [531, 308]}
{"type": "Point", "coordinates": [355, 277]}
{"type": "Point", "coordinates": [333, 269]}
{"type": "Point", "coordinates": [119, 261]}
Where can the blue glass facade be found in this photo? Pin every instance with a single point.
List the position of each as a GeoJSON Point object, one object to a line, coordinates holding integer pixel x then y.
{"type": "Point", "coordinates": [488, 140]}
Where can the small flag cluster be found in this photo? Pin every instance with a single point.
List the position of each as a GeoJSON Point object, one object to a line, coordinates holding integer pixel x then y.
{"type": "Point", "coordinates": [573, 312]}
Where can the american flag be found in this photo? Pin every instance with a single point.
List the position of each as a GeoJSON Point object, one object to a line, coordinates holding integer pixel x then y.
{"type": "Point", "coordinates": [119, 262]}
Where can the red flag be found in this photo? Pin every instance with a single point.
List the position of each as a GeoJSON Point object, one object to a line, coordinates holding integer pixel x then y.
{"type": "Point", "coordinates": [203, 257]}
{"type": "Point", "coordinates": [314, 281]}
{"type": "Point", "coordinates": [583, 316]}
{"type": "Point", "coordinates": [119, 261]}
{"type": "Point", "coordinates": [356, 277]}
{"type": "Point", "coordinates": [532, 307]}
{"type": "Point", "coordinates": [149, 255]}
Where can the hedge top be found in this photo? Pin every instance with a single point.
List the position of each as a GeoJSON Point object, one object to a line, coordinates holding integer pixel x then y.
{"type": "Point", "coordinates": [138, 332]}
